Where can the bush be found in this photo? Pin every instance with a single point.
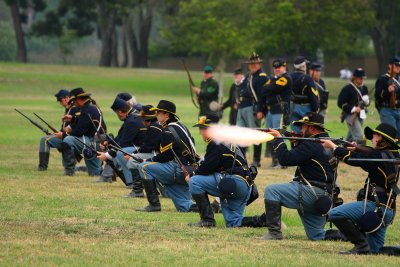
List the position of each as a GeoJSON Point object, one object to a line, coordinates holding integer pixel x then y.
{"type": "Point", "coordinates": [8, 48]}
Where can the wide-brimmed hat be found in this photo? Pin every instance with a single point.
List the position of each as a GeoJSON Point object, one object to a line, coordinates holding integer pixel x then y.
{"type": "Point", "coordinates": [147, 113]}
{"type": "Point", "coordinates": [119, 104]}
{"type": "Point", "coordinates": [359, 72]}
{"type": "Point", "coordinates": [311, 118]}
{"type": "Point", "coordinates": [166, 106]}
{"type": "Point", "coordinates": [62, 94]}
{"type": "Point", "coordinates": [207, 120]}
{"type": "Point", "coordinates": [387, 131]}
{"type": "Point", "coordinates": [77, 93]}
{"type": "Point", "coordinates": [254, 58]}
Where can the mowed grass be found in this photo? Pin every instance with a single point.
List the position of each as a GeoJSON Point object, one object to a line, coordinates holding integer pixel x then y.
{"type": "Point", "coordinates": [48, 219]}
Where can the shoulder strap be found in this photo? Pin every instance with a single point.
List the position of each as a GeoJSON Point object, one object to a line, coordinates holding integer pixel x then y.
{"type": "Point", "coordinates": [176, 137]}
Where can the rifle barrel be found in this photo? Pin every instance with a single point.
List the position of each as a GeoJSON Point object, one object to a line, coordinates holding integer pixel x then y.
{"type": "Point", "coordinates": [126, 153]}
{"type": "Point", "coordinates": [33, 122]}
{"type": "Point", "coordinates": [45, 122]}
{"type": "Point", "coordinates": [395, 161]}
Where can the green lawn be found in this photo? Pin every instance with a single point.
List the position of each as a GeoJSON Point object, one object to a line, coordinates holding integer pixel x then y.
{"type": "Point", "coordinates": [47, 219]}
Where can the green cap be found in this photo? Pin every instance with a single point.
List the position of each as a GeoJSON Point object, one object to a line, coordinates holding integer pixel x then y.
{"type": "Point", "coordinates": [208, 69]}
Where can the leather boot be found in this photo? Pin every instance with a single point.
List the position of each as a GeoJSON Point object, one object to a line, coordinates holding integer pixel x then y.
{"type": "Point", "coordinates": [268, 150]}
{"type": "Point", "coordinates": [152, 196]}
{"type": "Point", "coordinates": [273, 220]}
{"type": "Point", "coordinates": [69, 160]}
{"type": "Point", "coordinates": [353, 234]}
{"type": "Point", "coordinates": [256, 156]}
{"type": "Point", "coordinates": [137, 186]}
{"type": "Point", "coordinates": [254, 221]}
{"type": "Point", "coordinates": [43, 161]}
{"type": "Point", "coordinates": [205, 210]}
{"type": "Point", "coordinates": [334, 235]}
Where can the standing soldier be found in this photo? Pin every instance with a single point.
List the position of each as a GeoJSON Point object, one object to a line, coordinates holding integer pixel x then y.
{"type": "Point", "coordinates": [48, 141]}
{"type": "Point", "coordinates": [275, 100]}
{"type": "Point", "coordinates": [352, 101]}
{"type": "Point", "coordinates": [249, 97]}
{"type": "Point", "coordinates": [224, 173]}
{"type": "Point", "coordinates": [315, 73]}
{"type": "Point", "coordinates": [364, 222]}
{"type": "Point", "coordinates": [233, 100]}
{"type": "Point", "coordinates": [87, 123]}
{"type": "Point", "coordinates": [387, 95]}
{"type": "Point", "coordinates": [176, 146]}
{"type": "Point", "coordinates": [208, 91]}
{"type": "Point", "coordinates": [305, 95]}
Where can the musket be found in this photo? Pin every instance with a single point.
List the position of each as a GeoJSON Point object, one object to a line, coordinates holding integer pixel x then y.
{"type": "Point", "coordinates": [191, 84]}
{"type": "Point", "coordinates": [181, 166]}
{"type": "Point", "coordinates": [126, 153]}
{"type": "Point", "coordinates": [86, 145]}
{"type": "Point", "coordinates": [283, 131]}
{"type": "Point", "coordinates": [48, 125]}
{"type": "Point", "coordinates": [34, 122]}
{"type": "Point", "coordinates": [395, 161]}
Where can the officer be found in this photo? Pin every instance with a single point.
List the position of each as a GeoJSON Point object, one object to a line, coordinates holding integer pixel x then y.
{"type": "Point", "coordinates": [130, 136]}
{"type": "Point", "coordinates": [233, 100]}
{"type": "Point", "coordinates": [48, 141]}
{"type": "Point", "coordinates": [376, 200]}
{"type": "Point", "coordinates": [305, 95]}
{"type": "Point", "coordinates": [176, 146]}
{"type": "Point", "coordinates": [312, 183]}
{"type": "Point", "coordinates": [148, 149]}
{"type": "Point", "coordinates": [249, 97]}
{"type": "Point", "coordinates": [275, 100]}
{"type": "Point", "coordinates": [87, 123]}
{"type": "Point", "coordinates": [224, 173]}
{"type": "Point", "coordinates": [352, 100]}
{"type": "Point", "coordinates": [387, 95]}
{"type": "Point", "coordinates": [315, 74]}
{"type": "Point", "coordinates": [208, 91]}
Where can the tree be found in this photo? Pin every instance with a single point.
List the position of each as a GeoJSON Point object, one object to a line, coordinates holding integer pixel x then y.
{"type": "Point", "coordinates": [215, 28]}
{"type": "Point", "coordinates": [301, 27]}
{"type": "Point", "coordinates": [384, 31]}
{"type": "Point", "coordinates": [19, 12]}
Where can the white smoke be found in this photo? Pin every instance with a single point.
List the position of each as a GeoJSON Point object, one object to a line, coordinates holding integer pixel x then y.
{"type": "Point", "coordinates": [238, 135]}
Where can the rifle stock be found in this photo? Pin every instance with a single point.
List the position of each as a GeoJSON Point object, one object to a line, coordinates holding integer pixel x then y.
{"type": "Point", "coordinates": [33, 122]}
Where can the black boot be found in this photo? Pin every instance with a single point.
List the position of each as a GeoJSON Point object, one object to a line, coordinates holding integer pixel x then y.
{"type": "Point", "coordinates": [268, 150]}
{"type": "Point", "coordinates": [205, 210]}
{"type": "Point", "coordinates": [256, 156]}
{"type": "Point", "coordinates": [137, 186]}
{"type": "Point", "coordinates": [69, 160]}
{"type": "Point", "coordinates": [273, 220]}
{"type": "Point", "coordinates": [334, 235]}
{"type": "Point", "coordinates": [353, 234]}
{"type": "Point", "coordinates": [254, 221]}
{"type": "Point", "coordinates": [152, 196]}
{"type": "Point", "coordinates": [43, 161]}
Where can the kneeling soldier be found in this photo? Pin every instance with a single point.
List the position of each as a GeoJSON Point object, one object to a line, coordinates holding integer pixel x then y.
{"type": "Point", "coordinates": [376, 202]}
{"type": "Point", "coordinates": [224, 173]}
{"type": "Point", "coordinates": [313, 180]}
{"type": "Point", "coordinates": [176, 145]}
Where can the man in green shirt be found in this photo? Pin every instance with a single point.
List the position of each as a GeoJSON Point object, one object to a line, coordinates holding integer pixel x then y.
{"type": "Point", "coordinates": [208, 91]}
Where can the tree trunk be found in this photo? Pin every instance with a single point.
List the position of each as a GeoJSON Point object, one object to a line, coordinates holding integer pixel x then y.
{"type": "Point", "coordinates": [19, 34]}
{"type": "Point", "coordinates": [125, 53]}
{"type": "Point", "coordinates": [106, 24]}
{"type": "Point", "coordinates": [381, 47]}
{"type": "Point", "coordinates": [221, 70]}
{"type": "Point", "coordinates": [138, 37]}
{"type": "Point", "coordinates": [114, 49]}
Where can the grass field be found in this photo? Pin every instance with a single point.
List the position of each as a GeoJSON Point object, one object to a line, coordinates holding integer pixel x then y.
{"type": "Point", "coordinates": [47, 219]}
